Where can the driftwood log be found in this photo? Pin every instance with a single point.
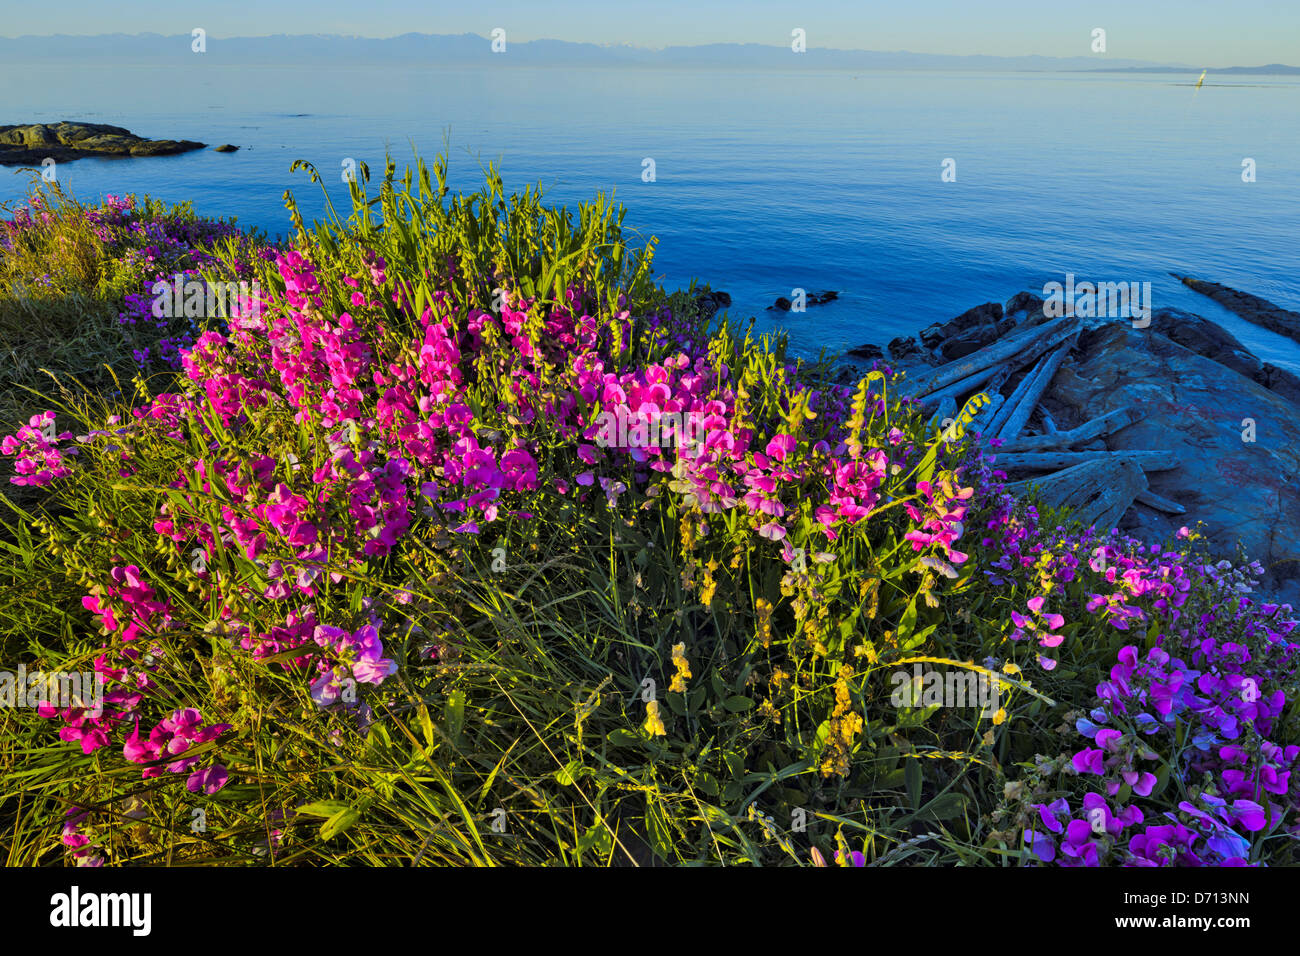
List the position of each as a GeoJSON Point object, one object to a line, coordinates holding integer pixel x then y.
{"type": "Point", "coordinates": [1046, 371]}
{"type": "Point", "coordinates": [1024, 346]}
{"type": "Point", "coordinates": [1153, 500]}
{"type": "Point", "coordinates": [1103, 425]}
{"type": "Point", "coordinates": [1099, 484]}
{"type": "Point", "coordinates": [1052, 460]}
{"type": "Point", "coordinates": [999, 420]}
{"type": "Point", "coordinates": [1099, 491]}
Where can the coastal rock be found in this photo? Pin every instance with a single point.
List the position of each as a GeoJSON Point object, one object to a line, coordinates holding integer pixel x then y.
{"type": "Point", "coordinates": [782, 304]}
{"type": "Point", "coordinates": [967, 333]}
{"type": "Point", "coordinates": [64, 142]}
{"type": "Point", "coordinates": [1216, 430]}
{"type": "Point", "coordinates": [1250, 307]}
{"type": "Point", "coordinates": [867, 352]}
{"type": "Point", "coordinates": [1237, 443]}
{"type": "Point", "coordinates": [710, 302]}
{"type": "Point", "coordinates": [1213, 342]}
{"type": "Point", "coordinates": [225, 148]}
{"type": "Point", "coordinates": [904, 347]}
{"type": "Point", "coordinates": [1021, 305]}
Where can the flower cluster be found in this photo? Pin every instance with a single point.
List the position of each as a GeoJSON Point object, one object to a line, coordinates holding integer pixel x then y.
{"type": "Point", "coordinates": [38, 459]}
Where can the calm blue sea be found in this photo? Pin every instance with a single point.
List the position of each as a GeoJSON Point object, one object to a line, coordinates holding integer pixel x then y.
{"type": "Point", "coordinates": [768, 181]}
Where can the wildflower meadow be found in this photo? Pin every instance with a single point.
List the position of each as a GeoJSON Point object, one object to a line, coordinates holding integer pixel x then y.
{"type": "Point", "coordinates": [382, 557]}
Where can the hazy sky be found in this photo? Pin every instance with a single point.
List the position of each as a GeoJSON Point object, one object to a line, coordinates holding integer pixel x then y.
{"type": "Point", "coordinates": [1205, 32]}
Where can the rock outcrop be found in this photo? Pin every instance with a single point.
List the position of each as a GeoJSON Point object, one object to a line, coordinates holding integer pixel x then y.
{"type": "Point", "coordinates": [782, 304]}
{"type": "Point", "coordinates": [1250, 307]}
{"type": "Point", "coordinates": [65, 142]}
{"type": "Point", "coordinates": [1184, 423]}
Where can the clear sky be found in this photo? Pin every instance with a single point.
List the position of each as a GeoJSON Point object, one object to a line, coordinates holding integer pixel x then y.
{"type": "Point", "coordinates": [1207, 32]}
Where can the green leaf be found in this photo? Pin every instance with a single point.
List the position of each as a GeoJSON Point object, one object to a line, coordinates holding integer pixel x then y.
{"type": "Point", "coordinates": [912, 776]}
{"type": "Point", "coordinates": [569, 774]}
{"type": "Point", "coordinates": [737, 704]}
{"type": "Point", "coordinates": [454, 714]}
{"type": "Point", "coordinates": [621, 737]}
{"type": "Point", "coordinates": [426, 726]}
{"type": "Point", "coordinates": [323, 808]}
{"type": "Point", "coordinates": [597, 839]}
{"type": "Point", "coordinates": [707, 783]}
{"type": "Point", "coordinates": [341, 821]}
{"type": "Point", "coordinates": [946, 806]}
{"type": "Point", "coordinates": [658, 830]}
{"type": "Point", "coordinates": [735, 764]}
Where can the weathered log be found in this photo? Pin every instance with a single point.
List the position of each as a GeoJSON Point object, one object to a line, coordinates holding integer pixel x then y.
{"type": "Point", "coordinates": [947, 410]}
{"type": "Point", "coordinates": [1018, 393]}
{"type": "Point", "coordinates": [981, 421]}
{"type": "Point", "coordinates": [1106, 424]}
{"type": "Point", "coordinates": [1051, 460]}
{"type": "Point", "coordinates": [1099, 492]}
{"type": "Point", "coordinates": [1049, 424]}
{"type": "Point", "coordinates": [1016, 421]}
{"type": "Point", "coordinates": [1025, 346]}
{"type": "Point", "coordinates": [1153, 500]}
{"type": "Point", "coordinates": [958, 389]}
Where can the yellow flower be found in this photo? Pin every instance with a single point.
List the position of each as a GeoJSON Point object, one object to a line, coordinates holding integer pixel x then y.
{"type": "Point", "coordinates": [1000, 716]}
{"type": "Point", "coordinates": [654, 724]}
{"type": "Point", "coordinates": [683, 666]}
{"type": "Point", "coordinates": [845, 725]}
{"type": "Point", "coordinates": [1010, 668]}
{"type": "Point", "coordinates": [763, 608]}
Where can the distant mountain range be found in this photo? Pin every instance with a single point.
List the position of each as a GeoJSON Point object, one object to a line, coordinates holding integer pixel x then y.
{"type": "Point", "coordinates": [469, 48]}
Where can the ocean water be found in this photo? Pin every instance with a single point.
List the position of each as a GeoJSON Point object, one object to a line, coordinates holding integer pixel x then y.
{"type": "Point", "coordinates": [766, 181]}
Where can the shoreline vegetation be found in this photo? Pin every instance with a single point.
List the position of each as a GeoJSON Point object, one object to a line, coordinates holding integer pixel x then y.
{"type": "Point", "coordinates": [365, 576]}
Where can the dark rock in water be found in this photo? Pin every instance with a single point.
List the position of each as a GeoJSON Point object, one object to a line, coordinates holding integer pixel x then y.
{"type": "Point", "coordinates": [1025, 302]}
{"type": "Point", "coordinates": [967, 333]}
{"type": "Point", "coordinates": [225, 148]}
{"type": "Point", "coordinates": [710, 302]}
{"type": "Point", "coordinates": [867, 352]}
{"type": "Point", "coordinates": [782, 304]}
{"type": "Point", "coordinates": [985, 317]}
{"type": "Point", "coordinates": [904, 347]}
{"type": "Point", "coordinates": [990, 313]}
{"type": "Point", "coordinates": [65, 142]}
{"type": "Point", "coordinates": [1286, 384]}
{"type": "Point", "coordinates": [1250, 307]}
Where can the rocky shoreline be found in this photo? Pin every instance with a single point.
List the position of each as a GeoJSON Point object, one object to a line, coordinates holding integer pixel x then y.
{"type": "Point", "coordinates": [1144, 426]}
{"type": "Point", "coordinates": [65, 142]}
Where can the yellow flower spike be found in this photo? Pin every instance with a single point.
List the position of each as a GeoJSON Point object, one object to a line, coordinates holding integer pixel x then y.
{"type": "Point", "coordinates": [654, 724]}
{"type": "Point", "coordinates": [683, 666]}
